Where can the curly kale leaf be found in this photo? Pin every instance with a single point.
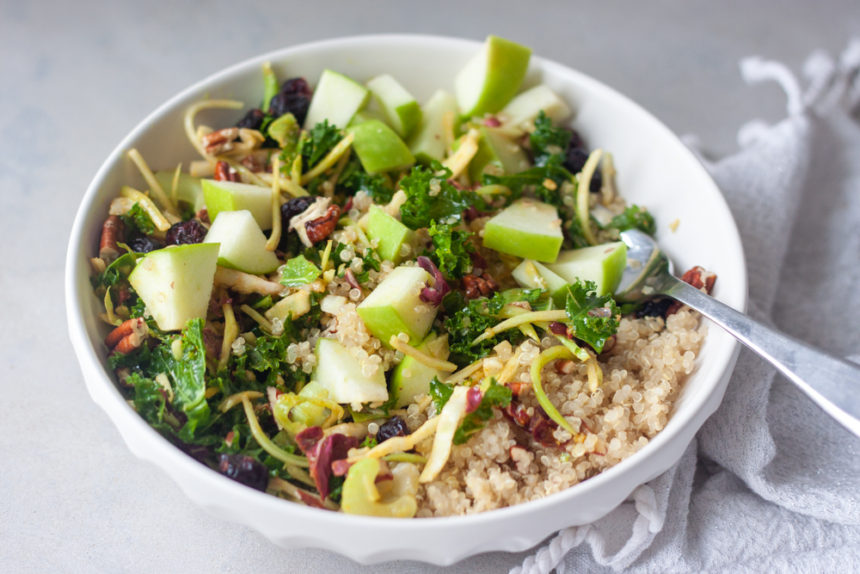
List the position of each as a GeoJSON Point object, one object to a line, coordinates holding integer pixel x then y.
{"type": "Point", "coordinates": [451, 249]}
{"type": "Point", "coordinates": [355, 179]}
{"type": "Point", "coordinates": [137, 218]}
{"type": "Point", "coordinates": [634, 217]}
{"type": "Point", "coordinates": [320, 140]}
{"type": "Point", "coordinates": [187, 377]}
{"type": "Point", "coordinates": [544, 182]}
{"type": "Point", "coordinates": [548, 141]}
{"type": "Point", "coordinates": [117, 271]}
{"type": "Point", "coordinates": [469, 319]}
{"type": "Point", "coordinates": [371, 260]}
{"type": "Point", "coordinates": [594, 318]}
{"type": "Point", "coordinates": [431, 197]}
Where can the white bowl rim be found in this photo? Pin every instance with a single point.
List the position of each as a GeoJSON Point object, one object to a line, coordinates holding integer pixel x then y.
{"type": "Point", "coordinates": [121, 413]}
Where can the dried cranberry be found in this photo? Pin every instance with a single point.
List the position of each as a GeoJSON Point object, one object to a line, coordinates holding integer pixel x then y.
{"type": "Point", "coordinates": [294, 97]}
{"type": "Point", "coordinates": [574, 161]}
{"type": "Point", "coordinates": [144, 244]}
{"type": "Point", "coordinates": [576, 140]}
{"type": "Point", "coordinates": [654, 308]}
{"type": "Point", "coordinates": [395, 426]}
{"type": "Point", "coordinates": [290, 209]}
{"type": "Point", "coordinates": [184, 232]}
{"type": "Point", "coordinates": [294, 207]}
{"type": "Point", "coordinates": [245, 470]}
{"type": "Point", "coordinates": [253, 120]}
{"type": "Point", "coordinates": [296, 86]}
{"type": "Point", "coordinates": [559, 329]}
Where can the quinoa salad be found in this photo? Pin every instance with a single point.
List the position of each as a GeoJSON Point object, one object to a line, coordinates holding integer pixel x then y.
{"type": "Point", "coordinates": [364, 304]}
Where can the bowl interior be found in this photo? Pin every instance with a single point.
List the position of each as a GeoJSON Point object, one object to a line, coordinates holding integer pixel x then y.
{"type": "Point", "coordinates": [654, 170]}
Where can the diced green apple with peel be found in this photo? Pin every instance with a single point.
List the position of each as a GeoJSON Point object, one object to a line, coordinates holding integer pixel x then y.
{"type": "Point", "coordinates": [492, 77]}
{"type": "Point", "coordinates": [175, 283]}
{"type": "Point", "coordinates": [188, 188]}
{"type": "Point", "coordinates": [367, 114]}
{"type": "Point", "coordinates": [526, 106]}
{"type": "Point", "coordinates": [497, 150]}
{"type": "Point", "coordinates": [395, 306]}
{"type": "Point", "coordinates": [379, 148]}
{"type": "Point", "coordinates": [399, 106]}
{"type": "Point", "coordinates": [342, 375]}
{"type": "Point", "coordinates": [428, 142]}
{"type": "Point", "coordinates": [233, 196]}
{"type": "Point", "coordinates": [389, 233]}
{"type": "Point", "coordinates": [534, 275]}
{"type": "Point", "coordinates": [336, 98]}
{"type": "Point", "coordinates": [528, 228]}
{"type": "Point", "coordinates": [243, 245]}
{"type": "Point", "coordinates": [602, 264]}
{"type": "Point", "coordinates": [412, 378]}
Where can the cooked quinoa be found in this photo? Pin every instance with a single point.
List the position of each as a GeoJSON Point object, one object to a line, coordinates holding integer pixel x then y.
{"type": "Point", "coordinates": [502, 465]}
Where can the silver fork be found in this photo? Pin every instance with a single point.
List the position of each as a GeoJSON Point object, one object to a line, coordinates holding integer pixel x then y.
{"type": "Point", "coordinates": [833, 383]}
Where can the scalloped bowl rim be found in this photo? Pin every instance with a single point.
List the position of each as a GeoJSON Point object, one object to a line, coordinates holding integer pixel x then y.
{"type": "Point", "coordinates": [147, 444]}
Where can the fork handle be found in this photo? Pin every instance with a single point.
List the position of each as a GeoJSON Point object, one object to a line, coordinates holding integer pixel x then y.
{"type": "Point", "coordinates": [831, 382]}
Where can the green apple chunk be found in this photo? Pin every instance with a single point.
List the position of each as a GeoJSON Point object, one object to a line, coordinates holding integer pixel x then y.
{"type": "Point", "coordinates": [527, 228]}
{"type": "Point", "coordinates": [428, 141]}
{"type": "Point", "coordinates": [233, 196]}
{"type": "Point", "coordinates": [243, 245]}
{"type": "Point", "coordinates": [527, 105]}
{"type": "Point", "coordinates": [395, 306]}
{"type": "Point", "coordinates": [533, 275]}
{"type": "Point", "coordinates": [336, 99]}
{"type": "Point", "coordinates": [342, 375]}
{"type": "Point", "coordinates": [399, 106]}
{"type": "Point", "coordinates": [412, 378]}
{"type": "Point", "coordinates": [492, 77]}
{"type": "Point", "coordinates": [175, 283]}
{"type": "Point", "coordinates": [367, 114]}
{"type": "Point", "coordinates": [498, 154]}
{"type": "Point", "coordinates": [188, 188]}
{"type": "Point", "coordinates": [378, 148]}
{"type": "Point", "coordinates": [602, 264]}
{"type": "Point", "coordinates": [389, 233]}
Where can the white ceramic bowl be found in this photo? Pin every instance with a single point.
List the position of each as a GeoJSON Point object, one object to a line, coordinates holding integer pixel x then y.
{"type": "Point", "coordinates": [654, 169]}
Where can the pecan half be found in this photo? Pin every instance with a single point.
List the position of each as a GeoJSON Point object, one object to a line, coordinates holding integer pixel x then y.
{"type": "Point", "coordinates": [219, 141]}
{"type": "Point", "coordinates": [112, 231]}
{"type": "Point", "coordinates": [479, 286]}
{"type": "Point", "coordinates": [223, 172]}
{"type": "Point", "coordinates": [698, 277]}
{"type": "Point", "coordinates": [321, 227]}
{"type": "Point", "coordinates": [128, 336]}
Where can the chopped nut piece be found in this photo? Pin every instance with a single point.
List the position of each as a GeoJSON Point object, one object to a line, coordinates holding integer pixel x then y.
{"type": "Point", "coordinates": [482, 286]}
{"type": "Point", "coordinates": [223, 172]}
{"type": "Point", "coordinates": [112, 231]}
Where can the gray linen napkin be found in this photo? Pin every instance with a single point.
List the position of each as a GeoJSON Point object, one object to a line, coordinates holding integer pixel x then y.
{"type": "Point", "coordinates": [770, 483]}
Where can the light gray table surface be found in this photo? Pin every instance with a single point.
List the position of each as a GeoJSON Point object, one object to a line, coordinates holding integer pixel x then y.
{"type": "Point", "coordinates": [76, 77]}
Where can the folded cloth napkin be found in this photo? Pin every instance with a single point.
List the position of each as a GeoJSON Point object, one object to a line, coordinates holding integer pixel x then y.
{"type": "Point", "coordinates": [771, 483]}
